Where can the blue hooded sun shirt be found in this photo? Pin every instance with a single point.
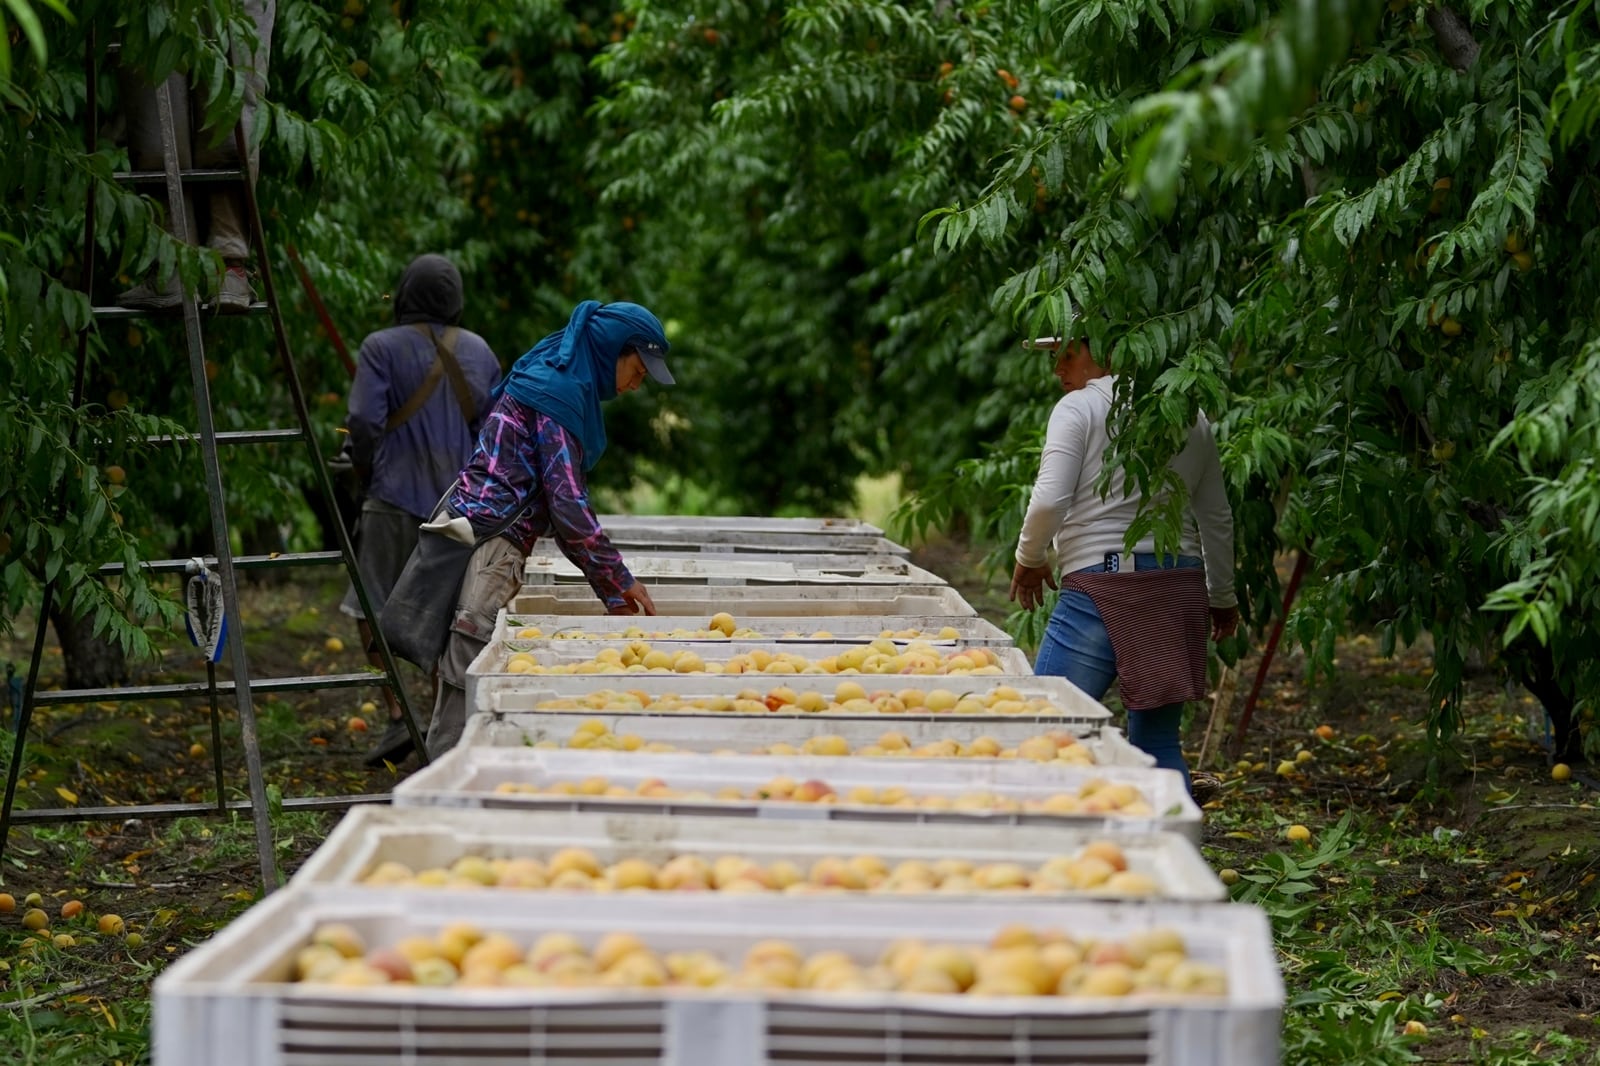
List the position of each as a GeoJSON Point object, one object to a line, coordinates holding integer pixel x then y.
{"type": "Point", "coordinates": [569, 373]}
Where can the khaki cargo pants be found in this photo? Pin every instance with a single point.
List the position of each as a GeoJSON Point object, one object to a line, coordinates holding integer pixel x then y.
{"type": "Point", "coordinates": [493, 578]}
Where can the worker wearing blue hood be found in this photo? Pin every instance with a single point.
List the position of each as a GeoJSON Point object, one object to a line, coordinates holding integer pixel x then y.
{"type": "Point", "coordinates": [526, 479]}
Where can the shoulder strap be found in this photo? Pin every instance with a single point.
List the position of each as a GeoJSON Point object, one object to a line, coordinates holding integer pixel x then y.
{"type": "Point", "coordinates": [414, 402]}
{"type": "Point", "coordinates": [445, 346]}
{"type": "Point", "coordinates": [443, 363]}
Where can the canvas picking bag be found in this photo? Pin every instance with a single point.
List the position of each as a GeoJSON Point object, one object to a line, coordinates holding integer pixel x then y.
{"type": "Point", "coordinates": [417, 616]}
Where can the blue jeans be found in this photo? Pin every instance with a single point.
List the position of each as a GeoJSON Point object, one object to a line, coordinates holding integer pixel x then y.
{"type": "Point", "coordinates": [1077, 647]}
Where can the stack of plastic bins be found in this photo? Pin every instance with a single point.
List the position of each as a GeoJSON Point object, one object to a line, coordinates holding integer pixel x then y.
{"type": "Point", "coordinates": [986, 824]}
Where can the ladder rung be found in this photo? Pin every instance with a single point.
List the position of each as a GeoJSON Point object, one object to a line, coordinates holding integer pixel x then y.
{"type": "Point", "coordinates": [274, 561]}
{"type": "Point", "coordinates": [233, 436]}
{"type": "Point", "coordinates": [113, 311]}
{"type": "Point", "coordinates": [178, 810]}
{"type": "Point", "coordinates": [197, 174]}
{"type": "Point", "coordinates": [198, 688]}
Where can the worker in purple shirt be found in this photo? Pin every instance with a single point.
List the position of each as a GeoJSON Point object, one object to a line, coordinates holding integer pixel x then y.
{"type": "Point", "coordinates": [544, 435]}
{"type": "Point", "coordinates": [422, 390]}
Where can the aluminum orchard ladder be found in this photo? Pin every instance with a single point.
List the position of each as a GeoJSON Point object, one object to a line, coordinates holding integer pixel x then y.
{"type": "Point", "coordinates": [175, 179]}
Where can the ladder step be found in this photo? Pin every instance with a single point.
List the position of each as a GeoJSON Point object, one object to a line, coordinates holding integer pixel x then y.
{"type": "Point", "coordinates": [197, 174]}
{"type": "Point", "coordinates": [113, 311]}
{"type": "Point", "coordinates": [198, 688]}
{"type": "Point", "coordinates": [179, 810]}
{"type": "Point", "coordinates": [234, 436]}
{"type": "Point", "coordinates": [275, 561]}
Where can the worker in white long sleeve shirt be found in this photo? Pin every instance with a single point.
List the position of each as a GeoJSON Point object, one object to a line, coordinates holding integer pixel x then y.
{"type": "Point", "coordinates": [1127, 616]}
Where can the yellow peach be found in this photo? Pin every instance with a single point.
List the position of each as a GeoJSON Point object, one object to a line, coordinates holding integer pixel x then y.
{"type": "Point", "coordinates": [341, 938]}
{"type": "Point", "coordinates": [316, 962]}
{"type": "Point", "coordinates": [1002, 985]}
{"type": "Point", "coordinates": [828, 744]}
{"type": "Point", "coordinates": [581, 860]}
{"type": "Point", "coordinates": [474, 868]}
{"type": "Point", "coordinates": [1000, 876]}
{"type": "Point", "coordinates": [1107, 979]}
{"type": "Point", "coordinates": [821, 963]}
{"type": "Point", "coordinates": [984, 747]}
{"type": "Point", "coordinates": [613, 947]}
{"type": "Point", "coordinates": [494, 952]}
{"type": "Point", "coordinates": [956, 963]}
{"type": "Point", "coordinates": [551, 945]}
{"type": "Point", "coordinates": [812, 791]}
{"type": "Point", "coordinates": [765, 951]}
{"type": "Point", "coordinates": [632, 873]}
{"type": "Point", "coordinates": [1132, 883]}
{"type": "Point", "coordinates": [930, 982]}
{"type": "Point", "coordinates": [849, 690]}
{"type": "Point", "coordinates": [811, 702]}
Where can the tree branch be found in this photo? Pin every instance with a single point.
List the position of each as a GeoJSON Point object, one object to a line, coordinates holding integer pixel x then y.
{"type": "Point", "coordinates": [59, 992]}
{"type": "Point", "coordinates": [1455, 39]}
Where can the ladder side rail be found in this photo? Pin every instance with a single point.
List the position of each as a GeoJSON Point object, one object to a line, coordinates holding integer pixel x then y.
{"type": "Point", "coordinates": [217, 504]}
{"type": "Point", "coordinates": [319, 466]}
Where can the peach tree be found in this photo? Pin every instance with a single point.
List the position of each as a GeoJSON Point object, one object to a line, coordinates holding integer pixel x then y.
{"type": "Point", "coordinates": [1362, 239]}
{"type": "Point", "coordinates": [1358, 234]}
{"type": "Point", "coordinates": [378, 117]}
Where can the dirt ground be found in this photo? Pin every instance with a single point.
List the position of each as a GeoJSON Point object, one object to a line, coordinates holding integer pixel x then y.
{"type": "Point", "coordinates": [1523, 850]}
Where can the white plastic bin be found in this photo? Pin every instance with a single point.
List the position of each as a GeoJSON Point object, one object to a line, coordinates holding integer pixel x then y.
{"type": "Point", "coordinates": [720, 541]}
{"type": "Point", "coordinates": [866, 570]}
{"type": "Point", "coordinates": [229, 1001]}
{"type": "Point", "coordinates": [740, 527]}
{"type": "Point", "coordinates": [747, 601]}
{"type": "Point", "coordinates": [566, 652]}
{"type": "Point", "coordinates": [526, 692]}
{"type": "Point", "coordinates": [437, 837]}
{"type": "Point", "coordinates": [971, 630]}
{"type": "Point", "coordinates": [718, 563]}
{"type": "Point", "coordinates": [469, 777]}
{"type": "Point", "coordinates": [744, 734]}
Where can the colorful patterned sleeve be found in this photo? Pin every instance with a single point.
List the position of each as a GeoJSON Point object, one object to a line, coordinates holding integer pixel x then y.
{"type": "Point", "coordinates": [501, 475]}
{"type": "Point", "coordinates": [572, 520]}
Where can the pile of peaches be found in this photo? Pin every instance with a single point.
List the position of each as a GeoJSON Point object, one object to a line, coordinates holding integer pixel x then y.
{"type": "Point", "coordinates": [1093, 797]}
{"type": "Point", "coordinates": [1100, 867]}
{"type": "Point", "coordinates": [1016, 961]}
{"type": "Point", "coordinates": [849, 697]}
{"type": "Point", "coordinates": [1056, 746]}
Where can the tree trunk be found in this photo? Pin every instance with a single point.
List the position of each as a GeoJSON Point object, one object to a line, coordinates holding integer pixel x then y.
{"type": "Point", "coordinates": [1535, 667]}
{"type": "Point", "coordinates": [87, 660]}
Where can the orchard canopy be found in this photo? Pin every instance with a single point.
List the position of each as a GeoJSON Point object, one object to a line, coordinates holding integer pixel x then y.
{"type": "Point", "coordinates": [1361, 236]}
